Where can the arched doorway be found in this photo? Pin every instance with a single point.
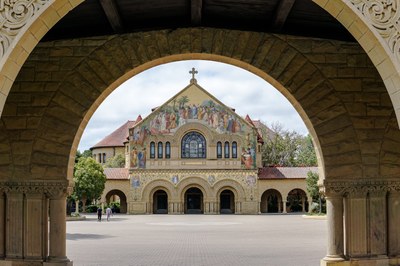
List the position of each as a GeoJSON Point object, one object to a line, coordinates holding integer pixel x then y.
{"type": "Point", "coordinates": [297, 201]}
{"type": "Point", "coordinates": [194, 201]}
{"type": "Point", "coordinates": [160, 202]}
{"type": "Point", "coordinates": [271, 201]}
{"type": "Point", "coordinates": [117, 199]}
{"type": "Point", "coordinates": [227, 202]}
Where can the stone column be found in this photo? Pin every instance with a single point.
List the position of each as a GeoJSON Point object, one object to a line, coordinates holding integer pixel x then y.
{"type": "Point", "coordinates": [356, 224]}
{"type": "Point", "coordinates": [14, 225]}
{"type": "Point", "coordinates": [393, 224]}
{"type": "Point", "coordinates": [2, 224]}
{"type": "Point", "coordinates": [334, 209]}
{"type": "Point", "coordinates": [34, 226]}
{"type": "Point", "coordinates": [303, 204]}
{"type": "Point", "coordinates": [279, 206]}
{"type": "Point", "coordinates": [77, 207]}
{"type": "Point", "coordinates": [284, 206]}
{"type": "Point", "coordinates": [377, 223]}
{"type": "Point", "coordinates": [57, 252]}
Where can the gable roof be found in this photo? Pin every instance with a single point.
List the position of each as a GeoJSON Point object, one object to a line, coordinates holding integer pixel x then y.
{"type": "Point", "coordinates": [118, 137]}
{"type": "Point", "coordinates": [188, 87]}
{"type": "Point", "coordinates": [285, 172]}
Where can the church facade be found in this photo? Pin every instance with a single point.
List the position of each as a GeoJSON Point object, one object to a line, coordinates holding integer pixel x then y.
{"type": "Point", "coordinates": [194, 155]}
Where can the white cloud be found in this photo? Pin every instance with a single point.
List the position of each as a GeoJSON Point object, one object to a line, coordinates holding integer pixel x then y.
{"type": "Point", "coordinates": [235, 87]}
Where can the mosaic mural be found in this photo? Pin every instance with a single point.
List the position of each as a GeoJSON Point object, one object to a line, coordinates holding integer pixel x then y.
{"type": "Point", "coordinates": [191, 106]}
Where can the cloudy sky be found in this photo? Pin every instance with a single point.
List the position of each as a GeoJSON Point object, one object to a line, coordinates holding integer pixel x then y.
{"type": "Point", "coordinates": [233, 86]}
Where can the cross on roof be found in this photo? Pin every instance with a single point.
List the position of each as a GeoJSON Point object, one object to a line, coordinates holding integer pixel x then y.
{"type": "Point", "coordinates": [193, 72]}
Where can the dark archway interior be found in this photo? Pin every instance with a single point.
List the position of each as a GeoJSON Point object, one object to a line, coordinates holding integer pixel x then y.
{"type": "Point", "coordinates": [227, 202]}
{"type": "Point", "coordinates": [160, 202]}
{"type": "Point", "coordinates": [271, 201]}
{"type": "Point", "coordinates": [194, 201]}
{"type": "Point", "coordinates": [123, 207]}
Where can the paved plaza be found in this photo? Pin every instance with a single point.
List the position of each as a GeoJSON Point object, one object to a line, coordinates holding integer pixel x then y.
{"type": "Point", "coordinates": [188, 240]}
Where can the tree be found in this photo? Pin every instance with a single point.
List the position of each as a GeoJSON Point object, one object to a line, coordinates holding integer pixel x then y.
{"type": "Point", "coordinates": [287, 148]}
{"type": "Point", "coordinates": [85, 153]}
{"type": "Point", "coordinates": [117, 161]}
{"type": "Point", "coordinates": [89, 180]}
{"type": "Point", "coordinates": [313, 189]}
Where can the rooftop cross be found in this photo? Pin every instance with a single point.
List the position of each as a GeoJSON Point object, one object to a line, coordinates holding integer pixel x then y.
{"type": "Point", "coordinates": [193, 72]}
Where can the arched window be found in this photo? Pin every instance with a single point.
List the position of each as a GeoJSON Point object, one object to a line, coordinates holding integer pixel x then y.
{"type": "Point", "coordinates": [104, 158]}
{"type": "Point", "coordinates": [234, 149]}
{"type": "Point", "coordinates": [219, 149]}
{"type": "Point", "coordinates": [193, 145]}
{"type": "Point", "coordinates": [160, 150]}
{"type": "Point", "coordinates": [152, 150]}
{"type": "Point", "coordinates": [226, 149]}
{"type": "Point", "coordinates": [167, 150]}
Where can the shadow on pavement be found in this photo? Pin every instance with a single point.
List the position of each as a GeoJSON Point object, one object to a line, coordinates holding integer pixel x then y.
{"type": "Point", "coordinates": [87, 236]}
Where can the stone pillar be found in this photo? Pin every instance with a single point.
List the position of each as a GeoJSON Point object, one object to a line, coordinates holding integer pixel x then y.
{"type": "Point", "coordinates": [279, 206]}
{"type": "Point", "coordinates": [57, 252]}
{"type": "Point", "coordinates": [393, 224]}
{"type": "Point", "coordinates": [14, 225]}
{"type": "Point", "coordinates": [377, 223]}
{"type": "Point", "coordinates": [2, 224]}
{"type": "Point", "coordinates": [303, 204]}
{"type": "Point", "coordinates": [284, 206]}
{"type": "Point", "coordinates": [356, 224]}
{"type": "Point", "coordinates": [334, 209]}
{"type": "Point", "coordinates": [34, 226]}
{"type": "Point", "coordinates": [77, 206]}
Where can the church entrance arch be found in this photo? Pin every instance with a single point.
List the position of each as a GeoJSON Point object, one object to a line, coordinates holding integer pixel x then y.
{"type": "Point", "coordinates": [271, 201]}
{"type": "Point", "coordinates": [194, 201]}
{"type": "Point", "coordinates": [160, 202]}
{"type": "Point", "coordinates": [117, 196]}
{"type": "Point", "coordinates": [227, 202]}
{"type": "Point", "coordinates": [297, 201]}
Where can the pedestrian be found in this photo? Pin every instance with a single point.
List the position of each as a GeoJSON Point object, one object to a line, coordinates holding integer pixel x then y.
{"type": "Point", "coordinates": [99, 213]}
{"type": "Point", "coordinates": [108, 213]}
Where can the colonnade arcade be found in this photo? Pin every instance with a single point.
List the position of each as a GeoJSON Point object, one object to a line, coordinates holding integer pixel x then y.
{"type": "Point", "coordinates": [347, 94]}
{"type": "Point", "coordinates": [296, 200]}
{"type": "Point", "coordinates": [193, 199]}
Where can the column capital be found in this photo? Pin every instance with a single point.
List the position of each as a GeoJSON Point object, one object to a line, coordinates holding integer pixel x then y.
{"type": "Point", "coordinates": [52, 188]}
{"type": "Point", "coordinates": [359, 187]}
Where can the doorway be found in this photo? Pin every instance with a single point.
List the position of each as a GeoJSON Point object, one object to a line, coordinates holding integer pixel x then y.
{"type": "Point", "coordinates": [227, 202]}
{"type": "Point", "coordinates": [160, 202]}
{"type": "Point", "coordinates": [194, 201]}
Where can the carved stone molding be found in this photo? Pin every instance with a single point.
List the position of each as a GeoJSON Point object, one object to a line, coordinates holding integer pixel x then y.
{"type": "Point", "coordinates": [360, 187]}
{"type": "Point", "coordinates": [14, 15]}
{"type": "Point", "coordinates": [384, 16]}
{"type": "Point", "coordinates": [52, 189]}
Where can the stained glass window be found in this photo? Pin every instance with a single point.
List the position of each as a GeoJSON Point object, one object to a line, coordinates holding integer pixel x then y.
{"type": "Point", "coordinates": [234, 149]}
{"type": "Point", "coordinates": [160, 150]}
{"type": "Point", "coordinates": [167, 150]}
{"type": "Point", "coordinates": [193, 145]}
{"type": "Point", "coordinates": [152, 150]}
{"type": "Point", "coordinates": [219, 149]}
{"type": "Point", "coordinates": [226, 149]}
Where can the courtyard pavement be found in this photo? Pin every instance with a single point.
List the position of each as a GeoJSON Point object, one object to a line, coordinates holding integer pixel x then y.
{"type": "Point", "coordinates": [191, 240]}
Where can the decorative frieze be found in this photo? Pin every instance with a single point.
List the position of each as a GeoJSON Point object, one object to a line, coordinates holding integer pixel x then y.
{"type": "Point", "coordinates": [384, 16]}
{"type": "Point", "coordinates": [14, 15]}
{"type": "Point", "coordinates": [355, 187]}
{"type": "Point", "coordinates": [52, 189]}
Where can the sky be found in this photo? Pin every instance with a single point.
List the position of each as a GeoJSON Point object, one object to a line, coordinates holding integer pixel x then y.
{"type": "Point", "coordinates": [233, 86]}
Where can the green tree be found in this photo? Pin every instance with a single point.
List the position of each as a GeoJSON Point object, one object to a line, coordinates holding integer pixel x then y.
{"type": "Point", "coordinates": [287, 148]}
{"type": "Point", "coordinates": [117, 161]}
{"type": "Point", "coordinates": [313, 189]}
{"type": "Point", "coordinates": [306, 155]}
{"type": "Point", "coordinates": [89, 179]}
{"type": "Point", "coordinates": [85, 153]}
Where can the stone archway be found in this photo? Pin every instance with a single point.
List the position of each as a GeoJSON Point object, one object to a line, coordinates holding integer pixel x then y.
{"type": "Point", "coordinates": [193, 201]}
{"type": "Point", "coordinates": [349, 113]}
{"type": "Point", "coordinates": [297, 201]}
{"type": "Point", "coordinates": [160, 202]}
{"type": "Point", "coordinates": [227, 202]}
{"type": "Point", "coordinates": [271, 201]}
{"type": "Point", "coordinates": [121, 199]}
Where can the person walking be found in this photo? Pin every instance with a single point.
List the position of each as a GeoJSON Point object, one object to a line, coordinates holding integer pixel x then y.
{"type": "Point", "coordinates": [99, 213]}
{"type": "Point", "coordinates": [108, 213]}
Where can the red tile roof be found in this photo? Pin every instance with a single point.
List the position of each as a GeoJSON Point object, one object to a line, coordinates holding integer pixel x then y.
{"type": "Point", "coordinates": [284, 172]}
{"type": "Point", "coordinates": [116, 173]}
{"type": "Point", "coordinates": [119, 136]}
